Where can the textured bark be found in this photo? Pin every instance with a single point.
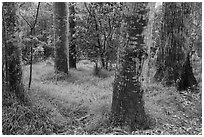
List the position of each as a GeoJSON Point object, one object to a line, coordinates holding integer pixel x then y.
{"type": "Point", "coordinates": [14, 71]}
{"type": "Point", "coordinates": [72, 46]}
{"type": "Point", "coordinates": [187, 77]}
{"type": "Point", "coordinates": [61, 37]}
{"type": "Point", "coordinates": [173, 52]}
{"type": "Point", "coordinates": [127, 101]}
{"type": "Point", "coordinates": [148, 42]}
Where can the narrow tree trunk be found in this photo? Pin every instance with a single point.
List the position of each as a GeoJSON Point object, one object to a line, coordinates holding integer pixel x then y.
{"type": "Point", "coordinates": [103, 61]}
{"type": "Point", "coordinates": [127, 101]}
{"type": "Point", "coordinates": [32, 33]}
{"type": "Point", "coordinates": [61, 37]}
{"type": "Point", "coordinates": [148, 41]}
{"type": "Point", "coordinates": [4, 54]}
{"type": "Point", "coordinates": [72, 46]}
{"type": "Point", "coordinates": [11, 44]}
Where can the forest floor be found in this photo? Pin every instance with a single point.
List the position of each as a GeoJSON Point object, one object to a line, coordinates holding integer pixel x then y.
{"type": "Point", "coordinates": [80, 103]}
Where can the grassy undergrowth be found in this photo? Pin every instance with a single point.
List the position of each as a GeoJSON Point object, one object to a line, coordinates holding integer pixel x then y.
{"type": "Point", "coordinates": [80, 103]}
{"type": "Point", "coordinates": [21, 119]}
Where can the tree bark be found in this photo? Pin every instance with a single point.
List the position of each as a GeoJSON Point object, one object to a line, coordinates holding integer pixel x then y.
{"type": "Point", "coordinates": [173, 52]}
{"type": "Point", "coordinates": [127, 102]}
{"type": "Point", "coordinates": [61, 37]}
{"type": "Point", "coordinates": [148, 42]}
{"type": "Point", "coordinates": [13, 69]}
{"type": "Point", "coordinates": [72, 46]}
{"type": "Point", "coordinates": [187, 77]}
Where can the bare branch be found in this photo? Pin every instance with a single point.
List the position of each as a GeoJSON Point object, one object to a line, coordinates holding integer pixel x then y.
{"type": "Point", "coordinates": [25, 20]}
{"type": "Point", "coordinates": [88, 9]}
{"type": "Point", "coordinates": [36, 17]}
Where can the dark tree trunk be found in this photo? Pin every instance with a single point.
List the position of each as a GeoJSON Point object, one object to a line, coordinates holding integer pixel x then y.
{"type": "Point", "coordinates": [61, 37]}
{"type": "Point", "coordinates": [48, 52]}
{"type": "Point", "coordinates": [187, 77]}
{"type": "Point", "coordinates": [103, 61]}
{"type": "Point", "coordinates": [14, 71]}
{"type": "Point", "coordinates": [127, 101]}
{"type": "Point", "coordinates": [32, 32]}
{"type": "Point", "coordinates": [96, 69]}
{"type": "Point", "coordinates": [173, 52]}
{"type": "Point", "coordinates": [72, 46]}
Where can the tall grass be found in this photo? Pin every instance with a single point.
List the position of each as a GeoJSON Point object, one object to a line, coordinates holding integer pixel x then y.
{"type": "Point", "coordinates": [74, 96]}
{"type": "Point", "coordinates": [83, 101]}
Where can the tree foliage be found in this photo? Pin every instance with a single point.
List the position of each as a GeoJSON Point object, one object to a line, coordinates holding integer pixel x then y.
{"type": "Point", "coordinates": [43, 34]}
{"type": "Point", "coordinates": [97, 29]}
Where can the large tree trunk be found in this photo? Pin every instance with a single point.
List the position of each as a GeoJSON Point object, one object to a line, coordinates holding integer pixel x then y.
{"type": "Point", "coordinates": [127, 101]}
{"type": "Point", "coordinates": [187, 77]}
{"type": "Point", "coordinates": [72, 46]}
{"type": "Point", "coordinates": [12, 51]}
{"type": "Point", "coordinates": [61, 37]}
{"type": "Point", "coordinates": [175, 47]}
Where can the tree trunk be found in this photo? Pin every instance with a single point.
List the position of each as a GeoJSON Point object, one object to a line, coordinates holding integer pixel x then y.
{"type": "Point", "coordinates": [148, 42]}
{"type": "Point", "coordinates": [173, 52]}
{"type": "Point", "coordinates": [103, 64]}
{"type": "Point", "coordinates": [187, 77]}
{"type": "Point", "coordinates": [72, 46]}
{"type": "Point", "coordinates": [61, 37]}
{"type": "Point", "coordinates": [13, 69]}
{"type": "Point", "coordinates": [127, 101]}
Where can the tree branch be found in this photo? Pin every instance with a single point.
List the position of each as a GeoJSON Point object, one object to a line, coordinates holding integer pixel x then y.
{"type": "Point", "coordinates": [88, 9]}
{"type": "Point", "coordinates": [31, 48]}
{"type": "Point", "coordinates": [36, 17]}
{"type": "Point", "coordinates": [25, 20]}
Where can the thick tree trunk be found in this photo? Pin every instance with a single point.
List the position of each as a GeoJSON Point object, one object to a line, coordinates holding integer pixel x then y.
{"type": "Point", "coordinates": [14, 71]}
{"type": "Point", "coordinates": [61, 37]}
{"type": "Point", "coordinates": [127, 101]}
{"type": "Point", "coordinates": [187, 77]}
{"type": "Point", "coordinates": [72, 46]}
{"type": "Point", "coordinates": [173, 64]}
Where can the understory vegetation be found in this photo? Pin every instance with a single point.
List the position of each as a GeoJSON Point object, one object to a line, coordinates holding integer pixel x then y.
{"type": "Point", "coordinates": [80, 103]}
{"type": "Point", "coordinates": [102, 68]}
